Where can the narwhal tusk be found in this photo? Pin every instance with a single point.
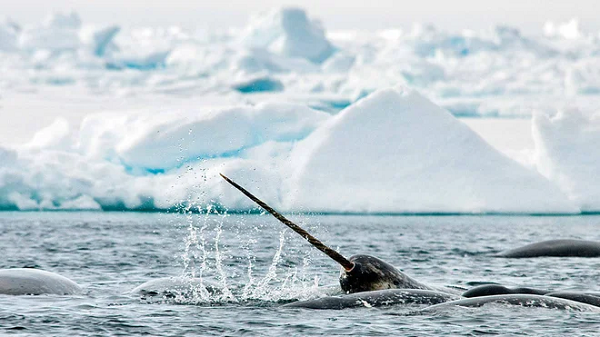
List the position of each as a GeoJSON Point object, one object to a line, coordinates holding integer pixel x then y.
{"type": "Point", "coordinates": [311, 239]}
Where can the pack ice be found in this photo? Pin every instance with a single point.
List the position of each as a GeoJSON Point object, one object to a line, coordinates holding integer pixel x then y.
{"type": "Point", "coordinates": [568, 153]}
{"type": "Point", "coordinates": [288, 32]}
{"type": "Point", "coordinates": [152, 159]}
{"type": "Point", "coordinates": [492, 72]}
{"type": "Point", "coordinates": [395, 151]}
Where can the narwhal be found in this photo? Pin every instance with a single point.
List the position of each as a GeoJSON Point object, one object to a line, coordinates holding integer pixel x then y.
{"type": "Point", "coordinates": [555, 248]}
{"type": "Point", "coordinates": [369, 281]}
{"type": "Point", "coordinates": [27, 281]}
{"type": "Point", "coordinates": [361, 273]}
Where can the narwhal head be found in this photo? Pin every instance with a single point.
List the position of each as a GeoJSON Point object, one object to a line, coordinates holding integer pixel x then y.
{"type": "Point", "coordinates": [370, 273]}
{"type": "Point", "coordinates": [360, 272]}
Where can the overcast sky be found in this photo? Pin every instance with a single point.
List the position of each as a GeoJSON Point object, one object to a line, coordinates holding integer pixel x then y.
{"type": "Point", "coordinates": [529, 15]}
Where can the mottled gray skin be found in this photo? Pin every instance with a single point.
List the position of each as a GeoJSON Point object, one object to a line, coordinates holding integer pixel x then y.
{"type": "Point", "coordinates": [496, 289]}
{"type": "Point", "coordinates": [583, 297]}
{"type": "Point", "coordinates": [377, 298]}
{"type": "Point", "coordinates": [524, 300]}
{"type": "Point", "coordinates": [26, 281]}
{"type": "Point", "coordinates": [370, 273]}
{"type": "Point", "coordinates": [559, 248]}
{"type": "Point", "coordinates": [171, 287]}
{"type": "Point", "coordinates": [375, 283]}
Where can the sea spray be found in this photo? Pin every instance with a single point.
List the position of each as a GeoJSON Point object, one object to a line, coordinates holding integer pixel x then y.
{"type": "Point", "coordinates": [209, 266]}
{"type": "Point", "coordinates": [262, 286]}
{"type": "Point", "coordinates": [221, 276]}
{"type": "Point", "coordinates": [214, 247]}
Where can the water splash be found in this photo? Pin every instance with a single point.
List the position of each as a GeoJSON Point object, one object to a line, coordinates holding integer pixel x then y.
{"type": "Point", "coordinates": [211, 271]}
{"type": "Point", "coordinates": [262, 287]}
{"type": "Point", "coordinates": [214, 249]}
{"type": "Point", "coordinates": [222, 277]}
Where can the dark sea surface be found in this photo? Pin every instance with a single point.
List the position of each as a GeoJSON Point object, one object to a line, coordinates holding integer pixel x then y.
{"type": "Point", "coordinates": [257, 266]}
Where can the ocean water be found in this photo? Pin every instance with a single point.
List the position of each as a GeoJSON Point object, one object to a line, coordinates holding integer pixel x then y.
{"type": "Point", "coordinates": [257, 265]}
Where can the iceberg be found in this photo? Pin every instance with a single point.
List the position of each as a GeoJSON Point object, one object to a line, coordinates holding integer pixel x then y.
{"type": "Point", "coordinates": [339, 63]}
{"type": "Point", "coordinates": [568, 153]}
{"type": "Point", "coordinates": [8, 37]}
{"type": "Point", "coordinates": [99, 40]}
{"type": "Point", "coordinates": [289, 32]}
{"type": "Point", "coordinates": [396, 152]}
{"type": "Point", "coordinates": [145, 49]}
{"type": "Point", "coordinates": [56, 136]}
{"type": "Point", "coordinates": [569, 30]}
{"type": "Point", "coordinates": [59, 32]}
{"type": "Point", "coordinates": [65, 33]}
{"type": "Point", "coordinates": [69, 20]}
{"type": "Point", "coordinates": [165, 140]}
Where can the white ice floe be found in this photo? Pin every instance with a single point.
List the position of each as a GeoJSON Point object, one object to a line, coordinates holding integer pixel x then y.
{"type": "Point", "coordinates": [568, 153]}
{"type": "Point", "coordinates": [162, 140]}
{"type": "Point", "coordinates": [59, 32]}
{"type": "Point", "coordinates": [8, 36]}
{"type": "Point", "coordinates": [56, 136]}
{"type": "Point", "coordinates": [289, 32]}
{"type": "Point", "coordinates": [395, 151]}
{"type": "Point", "coordinates": [567, 30]}
{"type": "Point", "coordinates": [154, 159]}
{"type": "Point", "coordinates": [99, 40]}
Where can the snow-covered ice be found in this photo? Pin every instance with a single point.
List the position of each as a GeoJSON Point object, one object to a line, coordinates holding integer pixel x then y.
{"type": "Point", "coordinates": [153, 159]}
{"type": "Point", "coordinates": [396, 151]}
{"type": "Point", "coordinates": [288, 32]}
{"type": "Point", "coordinates": [313, 119]}
{"type": "Point", "coordinates": [155, 140]}
{"type": "Point", "coordinates": [498, 72]}
{"type": "Point", "coordinates": [393, 151]}
{"type": "Point", "coordinates": [568, 153]}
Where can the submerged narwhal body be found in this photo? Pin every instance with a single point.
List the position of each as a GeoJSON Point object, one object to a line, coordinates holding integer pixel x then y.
{"type": "Point", "coordinates": [360, 272]}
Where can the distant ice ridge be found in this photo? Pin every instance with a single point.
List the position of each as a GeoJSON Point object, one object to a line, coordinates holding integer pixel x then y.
{"type": "Point", "coordinates": [64, 32]}
{"type": "Point", "coordinates": [9, 32]}
{"type": "Point", "coordinates": [289, 32]}
{"type": "Point", "coordinates": [393, 152]}
{"type": "Point", "coordinates": [286, 52]}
